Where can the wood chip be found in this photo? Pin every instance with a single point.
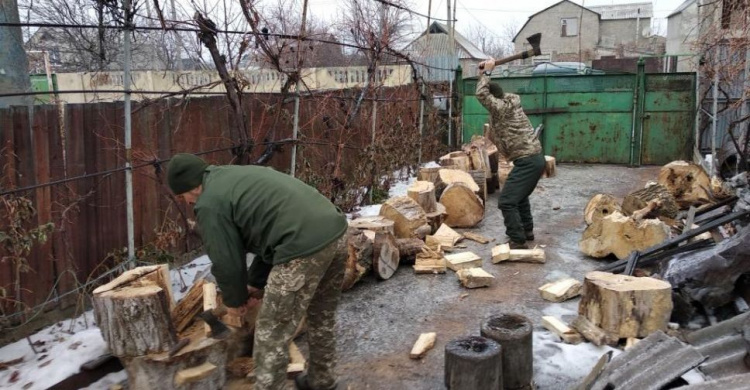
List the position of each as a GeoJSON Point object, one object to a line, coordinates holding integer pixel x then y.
{"type": "Point", "coordinates": [476, 237]}
{"type": "Point", "coordinates": [424, 343]}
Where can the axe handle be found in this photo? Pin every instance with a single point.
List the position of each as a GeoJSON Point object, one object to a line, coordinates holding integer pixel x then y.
{"type": "Point", "coordinates": [519, 56]}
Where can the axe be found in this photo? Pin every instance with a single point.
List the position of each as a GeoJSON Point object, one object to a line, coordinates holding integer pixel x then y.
{"type": "Point", "coordinates": [533, 40]}
{"type": "Point", "coordinates": [218, 329]}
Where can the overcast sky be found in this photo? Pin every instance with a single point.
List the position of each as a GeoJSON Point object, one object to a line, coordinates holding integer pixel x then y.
{"type": "Point", "coordinates": [498, 14]}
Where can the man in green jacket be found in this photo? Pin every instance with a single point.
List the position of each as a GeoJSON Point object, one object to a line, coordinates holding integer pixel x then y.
{"type": "Point", "coordinates": [511, 131]}
{"type": "Point", "coordinates": [298, 239]}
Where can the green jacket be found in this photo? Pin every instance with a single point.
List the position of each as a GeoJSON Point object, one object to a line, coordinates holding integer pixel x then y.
{"type": "Point", "coordinates": [259, 210]}
{"type": "Point", "coordinates": [510, 127]}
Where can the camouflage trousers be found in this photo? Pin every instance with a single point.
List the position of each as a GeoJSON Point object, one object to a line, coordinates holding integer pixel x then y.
{"type": "Point", "coordinates": [308, 285]}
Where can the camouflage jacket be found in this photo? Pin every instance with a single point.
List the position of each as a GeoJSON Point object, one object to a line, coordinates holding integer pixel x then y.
{"type": "Point", "coordinates": [510, 127]}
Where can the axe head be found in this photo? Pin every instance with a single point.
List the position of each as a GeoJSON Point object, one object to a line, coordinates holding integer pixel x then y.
{"type": "Point", "coordinates": [534, 41]}
{"type": "Point", "coordinates": [218, 329]}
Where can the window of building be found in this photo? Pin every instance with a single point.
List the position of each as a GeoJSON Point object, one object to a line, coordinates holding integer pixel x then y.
{"type": "Point", "coordinates": [732, 13]}
{"type": "Point", "coordinates": [569, 27]}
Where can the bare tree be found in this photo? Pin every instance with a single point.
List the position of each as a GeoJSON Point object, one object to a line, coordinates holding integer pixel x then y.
{"type": "Point", "coordinates": [489, 42]}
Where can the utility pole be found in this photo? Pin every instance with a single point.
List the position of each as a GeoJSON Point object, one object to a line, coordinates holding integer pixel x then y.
{"type": "Point", "coordinates": [295, 129]}
{"type": "Point", "coordinates": [128, 130]}
{"type": "Point", "coordinates": [14, 67]}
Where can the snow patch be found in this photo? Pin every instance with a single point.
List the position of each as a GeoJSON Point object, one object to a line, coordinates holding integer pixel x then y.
{"type": "Point", "coordinates": [556, 362]}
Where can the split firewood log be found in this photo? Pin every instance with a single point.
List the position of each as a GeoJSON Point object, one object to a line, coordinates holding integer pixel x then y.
{"type": "Point", "coordinates": [465, 209]}
{"type": "Point", "coordinates": [385, 256]}
{"type": "Point", "coordinates": [437, 217]}
{"type": "Point", "coordinates": [480, 179]}
{"type": "Point", "coordinates": [359, 260]}
{"type": "Point", "coordinates": [687, 182]}
{"type": "Point", "coordinates": [619, 235]}
{"type": "Point", "coordinates": [550, 167]}
{"type": "Point", "coordinates": [408, 248]}
{"type": "Point", "coordinates": [637, 200]}
{"type": "Point", "coordinates": [423, 192]}
{"type": "Point", "coordinates": [408, 216]}
{"type": "Point", "coordinates": [458, 159]}
{"type": "Point", "coordinates": [600, 206]}
{"type": "Point", "coordinates": [374, 223]}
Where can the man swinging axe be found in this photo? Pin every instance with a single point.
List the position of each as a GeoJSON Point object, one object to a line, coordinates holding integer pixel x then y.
{"type": "Point", "coordinates": [511, 131]}
{"type": "Point", "coordinates": [297, 236]}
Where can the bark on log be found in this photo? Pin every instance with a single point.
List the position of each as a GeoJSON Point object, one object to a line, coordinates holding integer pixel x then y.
{"type": "Point", "coordinates": [626, 306]}
{"type": "Point", "coordinates": [423, 192]}
{"type": "Point", "coordinates": [408, 248]}
{"type": "Point", "coordinates": [407, 215]}
{"type": "Point", "coordinates": [374, 223]}
{"type": "Point", "coordinates": [473, 363]}
{"type": "Point", "coordinates": [619, 235]}
{"type": "Point", "coordinates": [385, 257]}
{"type": "Point", "coordinates": [359, 260]}
{"type": "Point", "coordinates": [190, 305]}
{"type": "Point", "coordinates": [437, 217]}
{"type": "Point", "coordinates": [480, 179]}
{"type": "Point", "coordinates": [639, 199]}
{"type": "Point", "coordinates": [687, 182]}
{"type": "Point", "coordinates": [514, 334]}
{"type": "Point", "coordinates": [429, 174]}
{"type": "Point", "coordinates": [135, 321]}
{"type": "Point", "coordinates": [600, 206]}
{"type": "Point", "coordinates": [464, 207]}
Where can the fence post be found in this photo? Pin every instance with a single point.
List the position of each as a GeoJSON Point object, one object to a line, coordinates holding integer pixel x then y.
{"type": "Point", "coordinates": [128, 141]}
{"type": "Point", "coordinates": [421, 120]}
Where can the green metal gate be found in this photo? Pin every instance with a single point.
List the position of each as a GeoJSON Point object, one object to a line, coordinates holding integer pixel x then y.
{"type": "Point", "coordinates": [591, 118]}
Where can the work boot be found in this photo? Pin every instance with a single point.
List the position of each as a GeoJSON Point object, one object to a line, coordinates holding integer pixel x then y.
{"type": "Point", "coordinates": [518, 245]}
{"type": "Point", "coordinates": [529, 235]}
{"type": "Point", "coordinates": [301, 383]}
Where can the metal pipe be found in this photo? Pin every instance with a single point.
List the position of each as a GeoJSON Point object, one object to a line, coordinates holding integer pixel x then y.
{"type": "Point", "coordinates": [295, 129]}
{"type": "Point", "coordinates": [128, 134]}
{"type": "Point", "coordinates": [421, 122]}
{"type": "Point", "coordinates": [714, 109]}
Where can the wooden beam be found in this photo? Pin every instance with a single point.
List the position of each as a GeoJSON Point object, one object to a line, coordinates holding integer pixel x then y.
{"type": "Point", "coordinates": [557, 327]}
{"type": "Point", "coordinates": [474, 278]}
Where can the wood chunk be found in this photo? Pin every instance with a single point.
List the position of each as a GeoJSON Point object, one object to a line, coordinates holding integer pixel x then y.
{"type": "Point", "coordinates": [424, 343]}
{"type": "Point", "coordinates": [188, 307]}
{"type": "Point", "coordinates": [452, 176]}
{"type": "Point", "coordinates": [476, 237]}
{"type": "Point", "coordinates": [600, 206]}
{"type": "Point", "coordinates": [503, 171]}
{"type": "Point", "coordinates": [458, 159]}
{"type": "Point", "coordinates": [209, 302]}
{"type": "Point", "coordinates": [503, 252]}
{"type": "Point", "coordinates": [646, 211]}
{"type": "Point", "coordinates": [480, 179]}
{"type": "Point", "coordinates": [375, 223]}
{"type": "Point", "coordinates": [429, 174]}
{"type": "Point", "coordinates": [385, 256]}
{"type": "Point", "coordinates": [474, 277]}
{"type": "Point", "coordinates": [630, 342]}
{"type": "Point", "coordinates": [194, 374]}
{"type": "Point", "coordinates": [557, 327]}
{"type": "Point", "coordinates": [639, 199]}
{"type": "Point", "coordinates": [463, 260]}
{"type": "Point", "coordinates": [550, 168]}
{"type": "Point", "coordinates": [561, 290]}
{"type": "Point", "coordinates": [687, 182]}
{"type": "Point", "coordinates": [626, 306]}
{"type": "Point", "coordinates": [465, 209]}
{"type": "Point", "coordinates": [435, 219]}
{"type": "Point", "coordinates": [359, 259]}
{"type": "Point", "coordinates": [423, 192]}
{"type": "Point", "coordinates": [620, 235]}
{"type": "Point", "coordinates": [407, 215]}
{"type": "Point", "coordinates": [408, 248]}
{"type": "Point", "coordinates": [297, 362]}
{"type": "Point", "coordinates": [592, 332]}
{"type": "Point", "coordinates": [444, 236]}
{"type": "Point", "coordinates": [430, 266]}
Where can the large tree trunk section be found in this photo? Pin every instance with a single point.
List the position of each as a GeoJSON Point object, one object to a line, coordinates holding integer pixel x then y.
{"type": "Point", "coordinates": [385, 257]}
{"type": "Point", "coordinates": [409, 248]}
{"type": "Point", "coordinates": [514, 333]}
{"type": "Point", "coordinates": [451, 176]}
{"type": "Point", "coordinates": [189, 307]}
{"type": "Point", "coordinates": [423, 192]}
{"type": "Point", "coordinates": [619, 235]}
{"type": "Point", "coordinates": [408, 217]}
{"type": "Point", "coordinates": [687, 182]}
{"type": "Point", "coordinates": [480, 179]}
{"type": "Point", "coordinates": [626, 306]}
{"type": "Point", "coordinates": [374, 223]}
{"type": "Point", "coordinates": [639, 199]}
{"type": "Point", "coordinates": [436, 218]}
{"type": "Point", "coordinates": [429, 174]}
{"type": "Point", "coordinates": [459, 160]}
{"type": "Point", "coordinates": [600, 206]}
{"type": "Point", "coordinates": [359, 260]}
{"type": "Point", "coordinates": [465, 209]}
{"type": "Point", "coordinates": [550, 167]}
{"type": "Point", "coordinates": [473, 363]}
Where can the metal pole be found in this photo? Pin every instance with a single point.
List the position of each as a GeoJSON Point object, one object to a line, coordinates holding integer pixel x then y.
{"type": "Point", "coordinates": [128, 141]}
{"type": "Point", "coordinates": [714, 109]}
{"type": "Point", "coordinates": [295, 129]}
{"type": "Point", "coordinates": [452, 46]}
{"type": "Point", "coordinates": [421, 121]}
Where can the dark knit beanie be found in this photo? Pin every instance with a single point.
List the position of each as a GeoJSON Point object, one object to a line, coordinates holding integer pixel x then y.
{"type": "Point", "coordinates": [185, 172]}
{"type": "Point", "coordinates": [496, 90]}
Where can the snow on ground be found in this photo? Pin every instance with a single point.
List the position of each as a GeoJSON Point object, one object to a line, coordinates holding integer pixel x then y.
{"type": "Point", "coordinates": [107, 381]}
{"type": "Point", "coordinates": [398, 188]}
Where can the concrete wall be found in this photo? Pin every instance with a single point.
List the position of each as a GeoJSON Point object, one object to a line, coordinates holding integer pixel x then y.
{"type": "Point", "coordinates": [256, 81]}
{"type": "Point", "coordinates": [682, 32]}
{"type": "Point", "coordinates": [549, 24]}
{"type": "Point", "coordinates": [623, 31]}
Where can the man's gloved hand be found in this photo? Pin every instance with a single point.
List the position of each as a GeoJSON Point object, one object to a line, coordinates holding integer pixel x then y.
{"type": "Point", "coordinates": [256, 297]}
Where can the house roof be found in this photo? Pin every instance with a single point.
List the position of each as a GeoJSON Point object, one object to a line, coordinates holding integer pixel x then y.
{"type": "Point", "coordinates": [546, 9]}
{"type": "Point", "coordinates": [681, 8]}
{"type": "Point", "coordinates": [438, 45]}
{"type": "Point", "coordinates": [625, 11]}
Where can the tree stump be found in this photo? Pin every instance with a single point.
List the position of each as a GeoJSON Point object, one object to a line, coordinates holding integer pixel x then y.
{"type": "Point", "coordinates": [374, 223]}
{"type": "Point", "coordinates": [133, 312]}
{"type": "Point", "coordinates": [626, 306]}
{"type": "Point", "coordinates": [639, 199]}
{"type": "Point", "coordinates": [619, 235]}
{"type": "Point", "coordinates": [428, 174]}
{"type": "Point", "coordinates": [359, 260]}
{"type": "Point", "coordinates": [385, 257]}
{"type": "Point", "coordinates": [514, 333]}
{"type": "Point", "coordinates": [436, 218]}
{"type": "Point", "coordinates": [550, 167]}
{"type": "Point", "coordinates": [408, 217]}
{"type": "Point", "coordinates": [465, 209]}
{"type": "Point", "coordinates": [423, 192]}
{"type": "Point", "coordinates": [600, 206]}
{"type": "Point", "coordinates": [687, 182]}
{"type": "Point", "coordinates": [409, 248]}
{"type": "Point", "coordinates": [481, 181]}
{"type": "Point", "coordinates": [451, 176]}
{"type": "Point", "coordinates": [473, 363]}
